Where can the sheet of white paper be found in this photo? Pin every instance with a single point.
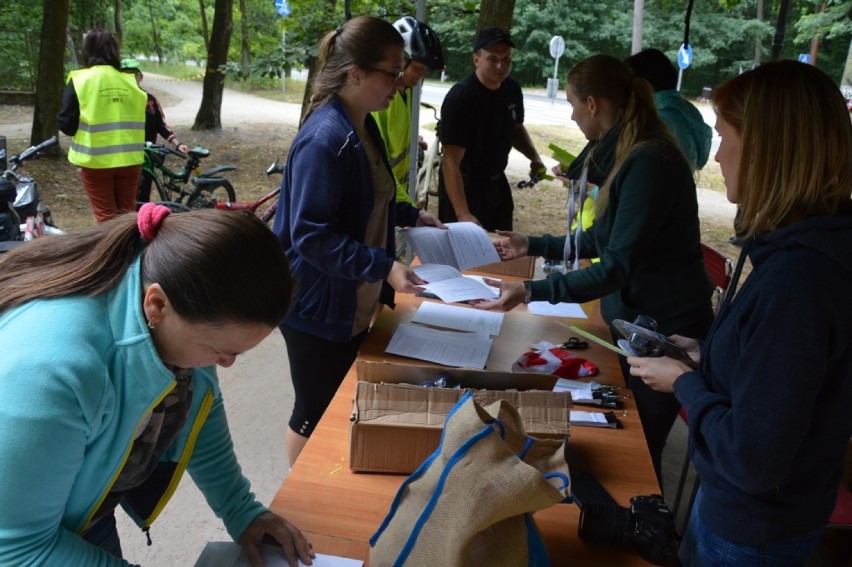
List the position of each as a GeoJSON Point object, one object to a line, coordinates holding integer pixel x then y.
{"type": "Point", "coordinates": [559, 310]}
{"type": "Point", "coordinates": [436, 272]}
{"type": "Point", "coordinates": [448, 284]}
{"type": "Point", "coordinates": [458, 318]}
{"type": "Point", "coordinates": [229, 554]}
{"type": "Point", "coordinates": [471, 245]}
{"type": "Point", "coordinates": [461, 289]}
{"type": "Point", "coordinates": [463, 245]}
{"type": "Point", "coordinates": [469, 350]}
{"type": "Point", "coordinates": [589, 419]}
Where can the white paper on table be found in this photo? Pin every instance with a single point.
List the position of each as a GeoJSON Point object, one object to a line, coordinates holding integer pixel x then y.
{"type": "Point", "coordinates": [451, 348]}
{"type": "Point", "coordinates": [573, 310]}
{"type": "Point", "coordinates": [462, 245]}
{"type": "Point", "coordinates": [229, 554]}
{"type": "Point", "coordinates": [449, 285]}
{"type": "Point", "coordinates": [458, 318]}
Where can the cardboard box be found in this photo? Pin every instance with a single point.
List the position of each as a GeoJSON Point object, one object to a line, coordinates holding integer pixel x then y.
{"type": "Point", "coordinates": [396, 425]}
{"type": "Point", "coordinates": [520, 267]}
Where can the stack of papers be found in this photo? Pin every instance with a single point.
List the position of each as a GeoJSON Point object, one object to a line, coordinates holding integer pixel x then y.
{"type": "Point", "coordinates": [463, 245]}
{"type": "Point", "coordinates": [450, 348]}
{"type": "Point", "coordinates": [449, 285]}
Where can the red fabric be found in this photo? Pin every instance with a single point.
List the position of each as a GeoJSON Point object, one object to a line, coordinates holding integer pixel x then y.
{"type": "Point", "coordinates": [111, 191]}
{"type": "Point", "coordinates": [569, 365]}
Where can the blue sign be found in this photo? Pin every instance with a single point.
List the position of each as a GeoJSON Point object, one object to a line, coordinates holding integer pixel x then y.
{"type": "Point", "coordinates": [684, 56]}
{"type": "Point", "coordinates": [282, 7]}
{"type": "Point", "coordinates": [805, 58]}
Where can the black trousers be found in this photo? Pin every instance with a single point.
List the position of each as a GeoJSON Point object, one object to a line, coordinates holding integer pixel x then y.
{"type": "Point", "coordinates": [657, 410]}
{"type": "Point", "coordinates": [489, 200]}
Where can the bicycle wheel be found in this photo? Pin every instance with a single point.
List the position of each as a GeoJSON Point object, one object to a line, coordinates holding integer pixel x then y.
{"type": "Point", "coordinates": [202, 198]}
{"type": "Point", "coordinates": [147, 180]}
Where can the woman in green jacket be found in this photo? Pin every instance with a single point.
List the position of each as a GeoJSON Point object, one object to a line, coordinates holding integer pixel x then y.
{"type": "Point", "coordinates": [646, 229]}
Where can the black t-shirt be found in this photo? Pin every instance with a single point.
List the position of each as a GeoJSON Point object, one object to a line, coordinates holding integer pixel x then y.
{"type": "Point", "coordinates": [482, 121]}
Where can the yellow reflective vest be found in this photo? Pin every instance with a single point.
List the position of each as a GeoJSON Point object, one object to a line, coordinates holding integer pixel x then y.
{"type": "Point", "coordinates": [395, 127]}
{"type": "Point", "coordinates": [111, 132]}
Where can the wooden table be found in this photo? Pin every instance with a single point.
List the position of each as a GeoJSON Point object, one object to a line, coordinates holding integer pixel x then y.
{"type": "Point", "coordinates": [339, 510]}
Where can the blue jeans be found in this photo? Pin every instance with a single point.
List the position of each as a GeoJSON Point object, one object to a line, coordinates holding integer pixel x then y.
{"type": "Point", "coordinates": [104, 534]}
{"type": "Point", "coordinates": [702, 547]}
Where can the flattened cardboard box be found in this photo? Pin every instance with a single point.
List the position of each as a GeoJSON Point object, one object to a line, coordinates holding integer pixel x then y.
{"type": "Point", "coordinates": [396, 426]}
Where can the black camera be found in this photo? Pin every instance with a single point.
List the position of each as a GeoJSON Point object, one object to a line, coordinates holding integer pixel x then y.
{"type": "Point", "coordinates": [647, 525]}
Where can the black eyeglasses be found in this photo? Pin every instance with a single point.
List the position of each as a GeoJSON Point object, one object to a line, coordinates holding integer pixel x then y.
{"type": "Point", "coordinates": [392, 75]}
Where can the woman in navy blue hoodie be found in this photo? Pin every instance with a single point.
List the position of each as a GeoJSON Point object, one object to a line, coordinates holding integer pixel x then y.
{"type": "Point", "coordinates": [336, 216]}
{"type": "Point", "coordinates": [769, 421]}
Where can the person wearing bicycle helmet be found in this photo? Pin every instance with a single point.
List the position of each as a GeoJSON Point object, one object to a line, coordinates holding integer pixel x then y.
{"type": "Point", "coordinates": [155, 124]}
{"type": "Point", "coordinates": [423, 54]}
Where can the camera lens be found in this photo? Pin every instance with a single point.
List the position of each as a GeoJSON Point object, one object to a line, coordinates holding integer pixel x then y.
{"type": "Point", "coordinates": [603, 523]}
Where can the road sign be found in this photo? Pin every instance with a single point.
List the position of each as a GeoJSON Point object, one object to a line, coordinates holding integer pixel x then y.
{"type": "Point", "coordinates": [684, 56]}
{"type": "Point", "coordinates": [804, 58]}
{"type": "Point", "coordinates": [557, 46]}
{"type": "Point", "coordinates": [282, 7]}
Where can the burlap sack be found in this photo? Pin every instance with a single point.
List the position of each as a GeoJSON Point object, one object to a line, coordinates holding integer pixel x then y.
{"type": "Point", "coordinates": [470, 502]}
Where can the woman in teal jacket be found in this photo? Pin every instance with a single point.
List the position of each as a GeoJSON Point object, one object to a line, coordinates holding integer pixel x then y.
{"type": "Point", "coordinates": [108, 390]}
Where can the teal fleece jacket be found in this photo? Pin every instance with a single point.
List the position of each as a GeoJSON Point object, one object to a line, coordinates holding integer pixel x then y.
{"type": "Point", "coordinates": [79, 375]}
{"type": "Point", "coordinates": [648, 242]}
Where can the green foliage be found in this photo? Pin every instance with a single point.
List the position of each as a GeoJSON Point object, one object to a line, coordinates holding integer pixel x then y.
{"type": "Point", "coordinates": [723, 33]}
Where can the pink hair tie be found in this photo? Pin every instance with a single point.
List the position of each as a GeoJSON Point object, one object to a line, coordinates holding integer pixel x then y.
{"type": "Point", "coordinates": [149, 218]}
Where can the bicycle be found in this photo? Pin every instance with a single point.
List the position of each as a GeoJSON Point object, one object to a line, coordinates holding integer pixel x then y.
{"type": "Point", "coordinates": [429, 171]}
{"type": "Point", "coordinates": [268, 213]}
{"type": "Point", "coordinates": [171, 185]}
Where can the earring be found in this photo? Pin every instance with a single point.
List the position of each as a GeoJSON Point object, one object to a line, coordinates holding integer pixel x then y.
{"type": "Point", "coordinates": [151, 324]}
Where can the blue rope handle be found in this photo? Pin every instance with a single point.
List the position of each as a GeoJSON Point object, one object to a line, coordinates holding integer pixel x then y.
{"type": "Point", "coordinates": [417, 473]}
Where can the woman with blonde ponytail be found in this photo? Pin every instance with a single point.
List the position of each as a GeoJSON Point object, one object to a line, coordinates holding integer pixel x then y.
{"type": "Point", "coordinates": [646, 229]}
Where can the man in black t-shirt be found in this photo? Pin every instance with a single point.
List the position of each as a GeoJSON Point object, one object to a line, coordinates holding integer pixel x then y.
{"type": "Point", "coordinates": [482, 120]}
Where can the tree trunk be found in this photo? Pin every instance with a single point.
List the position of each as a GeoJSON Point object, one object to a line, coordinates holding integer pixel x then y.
{"type": "Point", "coordinates": [846, 79]}
{"type": "Point", "coordinates": [50, 80]}
{"type": "Point", "coordinates": [154, 35]}
{"type": "Point", "coordinates": [244, 36]}
{"type": "Point", "coordinates": [209, 115]}
{"type": "Point", "coordinates": [780, 30]}
{"type": "Point", "coordinates": [496, 13]}
{"type": "Point", "coordinates": [204, 25]}
{"type": "Point", "coordinates": [117, 21]}
{"type": "Point", "coordinates": [758, 48]}
{"type": "Point", "coordinates": [638, 26]}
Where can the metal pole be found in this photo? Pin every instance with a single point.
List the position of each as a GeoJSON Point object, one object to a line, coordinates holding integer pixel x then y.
{"type": "Point", "coordinates": [420, 13]}
{"type": "Point", "coordinates": [284, 71]}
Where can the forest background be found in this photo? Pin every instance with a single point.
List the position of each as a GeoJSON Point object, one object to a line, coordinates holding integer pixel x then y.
{"type": "Point", "coordinates": [726, 36]}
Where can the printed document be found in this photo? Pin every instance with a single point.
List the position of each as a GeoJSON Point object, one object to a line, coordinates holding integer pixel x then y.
{"type": "Point", "coordinates": [449, 285]}
{"type": "Point", "coordinates": [463, 245]}
{"type": "Point", "coordinates": [450, 348]}
{"type": "Point", "coordinates": [458, 318]}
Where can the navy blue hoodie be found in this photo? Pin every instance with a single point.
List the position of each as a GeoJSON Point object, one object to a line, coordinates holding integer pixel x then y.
{"type": "Point", "coordinates": [769, 409]}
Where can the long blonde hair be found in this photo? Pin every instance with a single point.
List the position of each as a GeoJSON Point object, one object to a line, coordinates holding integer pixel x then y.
{"type": "Point", "coordinates": [795, 129]}
{"type": "Point", "coordinates": [363, 41]}
{"type": "Point", "coordinates": [607, 77]}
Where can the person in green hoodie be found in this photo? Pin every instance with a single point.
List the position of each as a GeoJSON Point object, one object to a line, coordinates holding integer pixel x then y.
{"type": "Point", "coordinates": [683, 120]}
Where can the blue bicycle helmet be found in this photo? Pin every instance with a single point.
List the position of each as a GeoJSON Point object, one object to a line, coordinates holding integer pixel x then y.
{"type": "Point", "coordinates": [421, 42]}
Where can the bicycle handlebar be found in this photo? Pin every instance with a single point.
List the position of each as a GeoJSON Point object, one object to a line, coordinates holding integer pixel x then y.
{"type": "Point", "coordinates": [32, 151]}
{"type": "Point", "coordinates": [276, 168]}
{"type": "Point", "coordinates": [163, 149]}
